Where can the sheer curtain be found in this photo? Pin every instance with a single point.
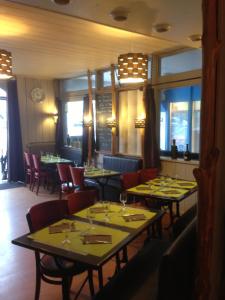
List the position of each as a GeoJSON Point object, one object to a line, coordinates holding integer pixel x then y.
{"type": "Point", "coordinates": [15, 149]}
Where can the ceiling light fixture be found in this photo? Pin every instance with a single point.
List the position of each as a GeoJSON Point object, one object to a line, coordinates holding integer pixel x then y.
{"type": "Point", "coordinates": [195, 37]}
{"type": "Point", "coordinates": [5, 64]}
{"type": "Point", "coordinates": [61, 2]}
{"type": "Point", "coordinates": [133, 68]}
{"type": "Point", "coordinates": [162, 27]}
{"type": "Point", "coordinates": [119, 14]}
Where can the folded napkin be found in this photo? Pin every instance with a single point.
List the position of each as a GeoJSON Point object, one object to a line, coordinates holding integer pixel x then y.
{"type": "Point", "coordinates": [97, 209]}
{"type": "Point", "coordinates": [143, 188]}
{"type": "Point", "coordinates": [134, 217]}
{"type": "Point", "coordinates": [97, 239]}
{"type": "Point", "coordinates": [175, 192]}
{"type": "Point", "coordinates": [62, 227]}
{"type": "Point", "coordinates": [185, 184]}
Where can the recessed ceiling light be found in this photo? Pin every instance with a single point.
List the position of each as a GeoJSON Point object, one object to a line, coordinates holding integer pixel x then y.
{"type": "Point", "coordinates": [195, 37]}
{"type": "Point", "coordinates": [61, 2]}
{"type": "Point", "coordinates": [119, 14]}
{"type": "Point", "coordinates": [163, 27]}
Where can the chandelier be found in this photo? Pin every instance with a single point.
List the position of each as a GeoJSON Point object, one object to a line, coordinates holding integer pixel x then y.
{"type": "Point", "coordinates": [5, 64]}
{"type": "Point", "coordinates": [132, 68]}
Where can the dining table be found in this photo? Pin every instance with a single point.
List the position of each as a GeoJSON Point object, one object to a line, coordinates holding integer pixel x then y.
{"type": "Point", "coordinates": [53, 160]}
{"type": "Point", "coordinates": [100, 176]}
{"type": "Point", "coordinates": [166, 191]}
{"type": "Point", "coordinates": [114, 226]}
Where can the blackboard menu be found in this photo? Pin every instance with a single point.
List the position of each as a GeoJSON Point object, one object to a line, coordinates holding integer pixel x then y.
{"type": "Point", "coordinates": [103, 112]}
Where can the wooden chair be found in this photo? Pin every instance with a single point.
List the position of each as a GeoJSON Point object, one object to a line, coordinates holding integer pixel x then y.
{"type": "Point", "coordinates": [147, 174]}
{"type": "Point", "coordinates": [77, 175]}
{"type": "Point", "coordinates": [66, 184]}
{"type": "Point", "coordinates": [54, 270]}
{"type": "Point", "coordinates": [81, 199]}
{"type": "Point", "coordinates": [29, 168]}
{"type": "Point", "coordinates": [40, 175]}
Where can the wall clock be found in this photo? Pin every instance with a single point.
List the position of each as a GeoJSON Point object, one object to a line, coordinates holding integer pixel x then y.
{"type": "Point", "coordinates": [37, 95]}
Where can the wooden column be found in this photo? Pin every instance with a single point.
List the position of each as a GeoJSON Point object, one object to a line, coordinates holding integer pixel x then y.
{"type": "Point", "coordinates": [90, 117]}
{"type": "Point", "coordinates": [114, 147]}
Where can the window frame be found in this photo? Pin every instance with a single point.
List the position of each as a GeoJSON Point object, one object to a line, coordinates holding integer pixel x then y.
{"type": "Point", "coordinates": [158, 88]}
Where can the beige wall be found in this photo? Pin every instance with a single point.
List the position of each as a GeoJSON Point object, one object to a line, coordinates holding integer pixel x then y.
{"type": "Point", "coordinates": [37, 124]}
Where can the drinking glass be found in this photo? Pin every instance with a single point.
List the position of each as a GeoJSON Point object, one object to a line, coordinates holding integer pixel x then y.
{"type": "Point", "coordinates": [123, 200]}
{"type": "Point", "coordinates": [75, 163]}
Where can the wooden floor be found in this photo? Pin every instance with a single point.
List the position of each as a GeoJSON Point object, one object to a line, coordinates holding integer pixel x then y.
{"type": "Point", "coordinates": [17, 265]}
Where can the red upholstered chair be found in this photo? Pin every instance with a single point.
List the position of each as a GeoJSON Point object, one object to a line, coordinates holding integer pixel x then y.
{"type": "Point", "coordinates": [147, 174]}
{"type": "Point", "coordinates": [81, 199]}
{"type": "Point", "coordinates": [66, 184]}
{"type": "Point", "coordinates": [29, 169]}
{"type": "Point", "coordinates": [40, 175]}
{"type": "Point", "coordinates": [129, 180]}
{"type": "Point", "coordinates": [77, 175]}
{"type": "Point", "coordinates": [51, 269]}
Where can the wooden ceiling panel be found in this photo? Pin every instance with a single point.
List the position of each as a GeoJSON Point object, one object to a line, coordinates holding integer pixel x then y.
{"type": "Point", "coordinates": [51, 45]}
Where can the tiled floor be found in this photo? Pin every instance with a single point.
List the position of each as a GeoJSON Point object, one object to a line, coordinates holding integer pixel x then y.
{"type": "Point", "coordinates": [17, 265]}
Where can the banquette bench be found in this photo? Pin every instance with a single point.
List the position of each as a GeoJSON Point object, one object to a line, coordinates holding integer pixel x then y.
{"type": "Point", "coordinates": [161, 270]}
{"type": "Point", "coordinates": [122, 164]}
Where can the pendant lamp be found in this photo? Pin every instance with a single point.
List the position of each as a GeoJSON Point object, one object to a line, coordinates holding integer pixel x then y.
{"type": "Point", "coordinates": [5, 64]}
{"type": "Point", "coordinates": [132, 68]}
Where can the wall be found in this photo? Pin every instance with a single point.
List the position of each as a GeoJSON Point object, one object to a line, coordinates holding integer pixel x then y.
{"type": "Point", "coordinates": [37, 124]}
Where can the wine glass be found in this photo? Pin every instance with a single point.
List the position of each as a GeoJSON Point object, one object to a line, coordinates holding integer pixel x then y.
{"type": "Point", "coordinates": [123, 200]}
{"type": "Point", "coordinates": [106, 205]}
{"type": "Point", "coordinates": [90, 216]}
{"type": "Point", "coordinates": [66, 230]}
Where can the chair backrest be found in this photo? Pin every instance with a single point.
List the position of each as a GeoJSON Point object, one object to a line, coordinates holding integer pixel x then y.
{"type": "Point", "coordinates": [77, 175]}
{"type": "Point", "coordinates": [28, 160]}
{"type": "Point", "coordinates": [177, 267]}
{"type": "Point", "coordinates": [36, 162]}
{"type": "Point", "coordinates": [46, 213]}
{"type": "Point", "coordinates": [81, 199]}
{"type": "Point", "coordinates": [64, 172]}
{"type": "Point", "coordinates": [129, 180]}
{"type": "Point", "coordinates": [147, 174]}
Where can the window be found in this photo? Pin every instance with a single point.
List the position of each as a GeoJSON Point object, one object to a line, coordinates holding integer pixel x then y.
{"type": "Point", "coordinates": [78, 83]}
{"type": "Point", "coordinates": [181, 62]}
{"type": "Point", "coordinates": [180, 118]}
{"type": "Point", "coordinates": [74, 122]}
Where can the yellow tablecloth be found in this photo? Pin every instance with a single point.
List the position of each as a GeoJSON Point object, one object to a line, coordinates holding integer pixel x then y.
{"type": "Point", "coordinates": [115, 215]}
{"type": "Point", "coordinates": [175, 183]}
{"type": "Point", "coordinates": [152, 190]}
{"type": "Point", "coordinates": [92, 173]}
{"type": "Point", "coordinates": [77, 246]}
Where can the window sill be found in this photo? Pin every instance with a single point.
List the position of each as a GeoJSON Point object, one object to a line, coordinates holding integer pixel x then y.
{"type": "Point", "coordinates": [179, 161]}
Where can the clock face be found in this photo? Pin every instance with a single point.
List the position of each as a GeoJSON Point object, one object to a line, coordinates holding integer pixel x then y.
{"type": "Point", "coordinates": [37, 95]}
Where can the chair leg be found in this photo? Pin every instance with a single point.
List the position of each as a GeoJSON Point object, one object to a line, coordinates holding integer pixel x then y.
{"type": "Point", "coordinates": [38, 285]}
{"type": "Point", "coordinates": [66, 288]}
{"type": "Point", "coordinates": [38, 185]}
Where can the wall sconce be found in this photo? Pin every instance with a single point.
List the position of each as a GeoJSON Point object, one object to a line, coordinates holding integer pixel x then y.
{"type": "Point", "coordinates": [139, 123]}
{"type": "Point", "coordinates": [55, 118]}
{"type": "Point", "coordinates": [88, 123]}
{"type": "Point", "coordinates": [111, 123]}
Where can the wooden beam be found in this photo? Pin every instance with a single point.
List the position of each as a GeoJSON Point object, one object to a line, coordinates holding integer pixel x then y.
{"type": "Point", "coordinates": [90, 116]}
{"type": "Point", "coordinates": [114, 147]}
